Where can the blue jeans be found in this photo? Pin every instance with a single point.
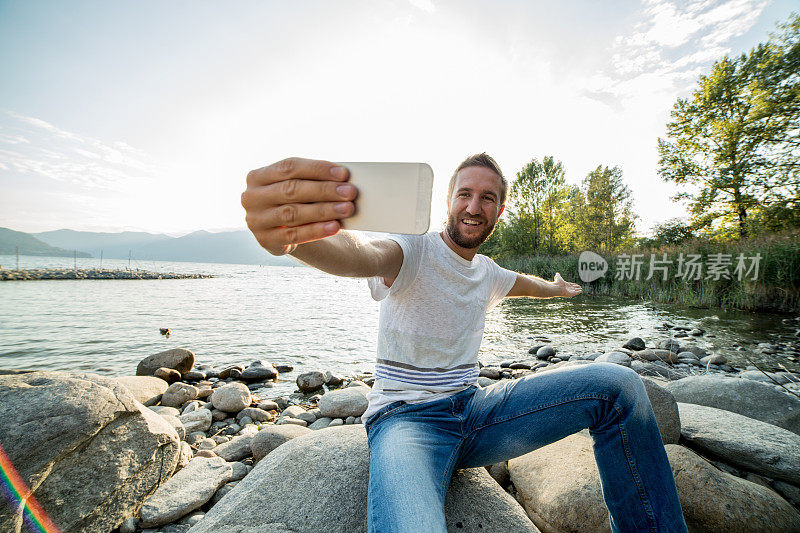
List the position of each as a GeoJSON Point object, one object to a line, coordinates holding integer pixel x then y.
{"type": "Point", "coordinates": [414, 448]}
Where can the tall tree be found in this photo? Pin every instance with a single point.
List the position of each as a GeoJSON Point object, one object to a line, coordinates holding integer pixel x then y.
{"type": "Point", "coordinates": [604, 218]}
{"type": "Point", "coordinates": [736, 140]}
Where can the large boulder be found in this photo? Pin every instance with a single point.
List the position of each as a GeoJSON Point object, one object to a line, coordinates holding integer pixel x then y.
{"type": "Point", "coordinates": [90, 453]}
{"type": "Point", "coordinates": [186, 491]}
{"type": "Point", "coordinates": [559, 486]}
{"type": "Point", "coordinates": [179, 359]}
{"type": "Point", "coordinates": [333, 466]}
{"type": "Point", "coordinates": [713, 500]}
{"type": "Point", "coordinates": [666, 410]}
{"type": "Point", "coordinates": [762, 401]}
{"type": "Point", "coordinates": [341, 403]}
{"type": "Point", "coordinates": [146, 389]}
{"type": "Point", "coordinates": [741, 441]}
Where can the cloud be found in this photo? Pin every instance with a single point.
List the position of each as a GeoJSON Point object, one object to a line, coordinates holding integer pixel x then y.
{"type": "Point", "coordinates": [676, 40]}
{"type": "Point", "coordinates": [31, 146]}
{"type": "Point", "coordinates": [425, 5]}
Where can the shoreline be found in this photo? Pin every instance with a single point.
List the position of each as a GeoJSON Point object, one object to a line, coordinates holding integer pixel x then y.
{"type": "Point", "coordinates": [37, 274]}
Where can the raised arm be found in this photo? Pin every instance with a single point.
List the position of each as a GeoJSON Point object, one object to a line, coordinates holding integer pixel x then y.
{"type": "Point", "coordinates": [536, 287]}
{"type": "Point", "coordinates": [295, 206]}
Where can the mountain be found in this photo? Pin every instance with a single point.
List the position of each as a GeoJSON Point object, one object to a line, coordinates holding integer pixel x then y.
{"type": "Point", "coordinates": [238, 247]}
{"type": "Point", "coordinates": [113, 245]}
{"type": "Point", "coordinates": [11, 241]}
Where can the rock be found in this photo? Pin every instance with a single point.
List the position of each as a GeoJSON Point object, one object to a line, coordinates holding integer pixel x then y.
{"type": "Point", "coordinates": [163, 410]}
{"type": "Point", "coordinates": [519, 366]}
{"type": "Point", "coordinates": [222, 492]}
{"type": "Point", "coordinates": [206, 444]}
{"type": "Point", "coordinates": [669, 344]}
{"type": "Point", "coordinates": [333, 466]}
{"type": "Point", "coordinates": [231, 398]}
{"type": "Point", "coordinates": [129, 525]}
{"type": "Point", "coordinates": [320, 423]}
{"type": "Point", "coordinates": [239, 471]}
{"type": "Point", "coordinates": [63, 433]}
{"type": "Point", "coordinates": [790, 492]}
{"type": "Point", "coordinates": [284, 368]}
{"type": "Point", "coordinates": [254, 413]}
{"type": "Point", "coordinates": [167, 374]}
{"type": "Point", "coordinates": [199, 420]}
{"type": "Point", "coordinates": [646, 355]}
{"type": "Point", "coordinates": [714, 359]}
{"type": "Point", "coordinates": [184, 456]}
{"type": "Point", "coordinates": [271, 437]}
{"type": "Point", "coordinates": [490, 372]}
{"type": "Point", "coordinates": [559, 486]}
{"type": "Point", "coordinates": [176, 424]}
{"type": "Point", "coordinates": [614, 357]}
{"type": "Point", "coordinates": [753, 399]}
{"type": "Point", "coordinates": [268, 405]}
{"type": "Point", "coordinates": [259, 371]}
{"type": "Point", "coordinates": [333, 380]}
{"type": "Point", "coordinates": [485, 382]}
{"type": "Point", "coordinates": [341, 403]}
{"type": "Point", "coordinates": [144, 388]}
{"type": "Point", "coordinates": [741, 441]}
{"type": "Point", "coordinates": [225, 373]}
{"type": "Point", "coordinates": [194, 405]}
{"type": "Point", "coordinates": [544, 352]}
{"type": "Point", "coordinates": [208, 454]}
{"type": "Point", "coordinates": [308, 417]}
{"type": "Point", "coordinates": [666, 410]}
{"type": "Point", "coordinates": [770, 377]}
{"type": "Point", "coordinates": [713, 500]}
{"type": "Point", "coordinates": [499, 472]}
{"type": "Point", "coordinates": [310, 381]}
{"type": "Point", "coordinates": [194, 375]}
{"type": "Point", "coordinates": [654, 370]}
{"type": "Point", "coordinates": [178, 394]}
{"type": "Point", "coordinates": [336, 422]}
{"type": "Point", "coordinates": [290, 420]}
{"type": "Point", "coordinates": [687, 355]}
{"type": "Point", "coordinates": [186, 491]}
{"type": "Point", "coordinates": [636, 343]}
{"type": "Point", "coordinates": [696, 351]}
{"type": "Point", "coordinates": [178, 359]}
{"type": "Point", "coordinates": [235, 449]}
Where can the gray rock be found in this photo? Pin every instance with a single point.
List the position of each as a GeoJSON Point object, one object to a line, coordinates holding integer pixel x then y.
{"type": "Point", "coordinates": [653, 370]}
{"type": "Point", "coordinates": [271, 437]}
{"type": "Point", "coordinates": [310, 381]}
{"type": "Point", "coordinates": [615, 357]}
{"type": "Point", "coordinates": [687, 355]}
{"type": "Point", "coordinates": [254, 413]}
{"type": "Point", "coordinates": [774, 378]}
{"type": "Point", "coordinates": [199, 420]}
{"type": "Point", "coordinates": [333, 380]}
{"type": "Point", "coordinates": [499, 472]}
{"type": "Point", "coordinates": [666, 410]}
{"type": "Point", "coordinates": [486, 382]}
{"type": "Point", "coordinates": [194, 405]}
{"type": "Point", "coordinates": [129, 525]}
{"type": "Point", "coordinates": [239, 471]}
{"type": "Point", "coordinates": [63, 433]}
{"type": "Point", "coordinates": [164, 410]}
{"type": "Point", "coordinates": [333, 466]}
{"type": "Point", "coordinates": [490, 372]}
{"type": "Point", "coordinates": [186, 491]}
{"type": "Point", "coordinates": [194, 375]}
{"type": "Point", "coordinates": [178, 359]}
{"type": "Point", "coordinates": [222, 492]}
{"type": "Point", "coordinates": [235, 449]}
{"type": "Point", "coordinates": [176, 424]}
{"type": "Point", "coordinates": [545, 352]}
{"type": "Point", "coordinates": [258, 371]}
{"type": "Point", "coordinates": [268, 405]}
{"type": "Point", "coordinates": [178, 394]}
{"type": "Point", "coordinates": [636, 343]}
{"type": "Point", "coordinates": [713, 500]}
{"type": "Point", "coordinates": [753, 399]}
{"type": "Point", "coordinates": [167, 374]}
{"type": "Point", "coordinates": [320, 423]}
{"type": "Point", "coordinates": [716, 359]}
{"type": "Point", "coordinates": [741, 441]}
{"type": "Point", "coordinates": [144, 388]}
{"type": "Point", "coordinates": [185, 456]}
{"type": "Point", "coordinates": [290, 420]}
{"type": "Point", "coordinates": [308, 417]}
{"type": "Point", "coordinates": [696, 350]}
{"type": "Point", "coordinates": [341, 403]}
{"type": "Point", "coordinates": [231, 398]}
{"type": "Point", "coordinates": [336, 422]}
{"type": "Point", "coordinates": [669, 344]}
{"type": "Point", "coordinates": [292, 411]}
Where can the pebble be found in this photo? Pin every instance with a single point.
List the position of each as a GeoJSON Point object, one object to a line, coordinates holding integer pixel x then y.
{"type": "Point", "coordinates": [336, 422]}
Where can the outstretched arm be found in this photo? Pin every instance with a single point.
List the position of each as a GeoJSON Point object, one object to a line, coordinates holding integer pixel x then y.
{"type": "Point", "coordinates": [536, 287]}
{"type": "Point", "coordinates": [296, 206]}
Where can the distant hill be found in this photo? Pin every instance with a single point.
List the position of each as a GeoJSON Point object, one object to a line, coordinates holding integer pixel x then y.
{"type": "Point", "coordinates": [238, 247]}
{"type": "Point", "coordinates": [113, 245]}
{"type": "Point", "coordinates": [11, 241]}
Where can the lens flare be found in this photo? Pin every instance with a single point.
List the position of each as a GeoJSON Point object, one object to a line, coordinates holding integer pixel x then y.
{"type": "Point", "coordinates": [17, 491]}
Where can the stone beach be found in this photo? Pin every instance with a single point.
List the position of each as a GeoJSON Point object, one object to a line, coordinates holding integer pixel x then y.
{"type": "Point", "coordinates": [89, 273]}
{"type": "Point", "coordinates": [183, 446]}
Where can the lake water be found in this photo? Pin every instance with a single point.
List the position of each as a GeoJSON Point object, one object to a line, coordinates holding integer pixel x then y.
{"type": "Point", "coordinates": [311, 320]}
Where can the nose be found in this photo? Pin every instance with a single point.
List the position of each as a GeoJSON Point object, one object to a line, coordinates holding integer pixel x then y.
{"type": "Point", "coordinates": [474, 206]}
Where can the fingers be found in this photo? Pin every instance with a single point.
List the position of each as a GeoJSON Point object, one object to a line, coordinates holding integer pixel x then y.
{"type": "Point", "coordinates": [297, 168]}
{"type": "Point", "coordinates": [292, 215]}
{"type": "Point", "coordinates": [295, 191]}
{"type": "Point", "coordinates": [278, 241]}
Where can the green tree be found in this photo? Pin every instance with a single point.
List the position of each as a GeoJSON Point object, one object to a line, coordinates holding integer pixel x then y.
{"type": "Point", "coordinates": [603, 210]}
{"type": "Point", "coordinates": [735, 142]}
{"type": "Point", "coordinates": [672, 232]}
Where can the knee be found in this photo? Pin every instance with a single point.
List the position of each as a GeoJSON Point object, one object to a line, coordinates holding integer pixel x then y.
{"type": "Point", "coordinates": [621, 382]}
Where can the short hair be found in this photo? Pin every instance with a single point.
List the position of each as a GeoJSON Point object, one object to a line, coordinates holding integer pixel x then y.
{"type": "Point", "coordinates": [480, 160]}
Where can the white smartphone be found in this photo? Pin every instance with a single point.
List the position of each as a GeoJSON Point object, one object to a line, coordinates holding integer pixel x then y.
{"type": "Point", "coordinates": [392, 197]}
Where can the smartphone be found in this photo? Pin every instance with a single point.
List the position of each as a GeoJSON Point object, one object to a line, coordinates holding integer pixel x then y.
{"type": "Point", "coordinates": [392, 197]}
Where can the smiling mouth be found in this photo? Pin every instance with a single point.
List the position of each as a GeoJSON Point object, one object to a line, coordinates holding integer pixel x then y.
{"type": "Point", "coordinates": [471, 222]}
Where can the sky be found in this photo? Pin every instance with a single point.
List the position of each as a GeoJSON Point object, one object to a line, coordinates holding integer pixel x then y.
{"type": "Point", "coordinates": [148, 115]}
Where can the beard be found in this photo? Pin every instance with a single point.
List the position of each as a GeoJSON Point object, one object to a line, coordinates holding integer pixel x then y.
{"type": "Point", "coordinates": [454, 231]}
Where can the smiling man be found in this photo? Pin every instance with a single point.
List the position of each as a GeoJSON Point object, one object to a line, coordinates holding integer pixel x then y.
{"type": "Point", "coordinates": [426, 415]}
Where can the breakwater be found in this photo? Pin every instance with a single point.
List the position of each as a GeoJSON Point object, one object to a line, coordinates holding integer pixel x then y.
{"type": "Point", "coordinates": [90, 273]}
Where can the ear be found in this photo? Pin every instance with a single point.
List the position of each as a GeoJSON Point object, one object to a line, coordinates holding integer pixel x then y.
{"type": "Point", "coordinates": [502, 208]}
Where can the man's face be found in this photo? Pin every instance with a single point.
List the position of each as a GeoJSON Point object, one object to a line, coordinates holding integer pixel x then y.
{"type": "Point", "coordinates": [474, 206]}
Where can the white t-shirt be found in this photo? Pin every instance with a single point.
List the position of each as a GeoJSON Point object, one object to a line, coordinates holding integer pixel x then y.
{"type": "Point", "coordinates": [431, 321]}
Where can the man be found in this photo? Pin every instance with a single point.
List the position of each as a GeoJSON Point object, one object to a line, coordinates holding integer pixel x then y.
{"type": "Point", "coordinates": [426, 416]}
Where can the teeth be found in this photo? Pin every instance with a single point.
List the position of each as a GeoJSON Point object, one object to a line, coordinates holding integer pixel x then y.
{"type": "Point", "coordinates": [471, 222]}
